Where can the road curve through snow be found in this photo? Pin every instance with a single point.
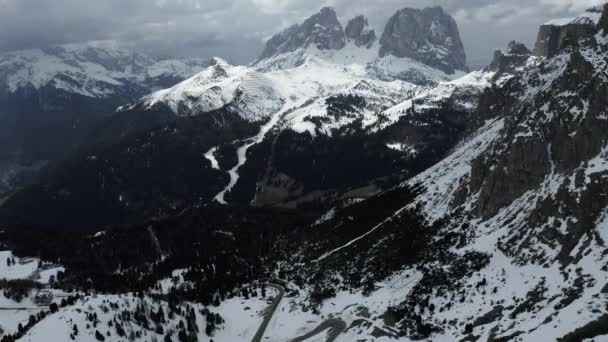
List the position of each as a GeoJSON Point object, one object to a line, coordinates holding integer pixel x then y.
{"type": "Point", "coordinates": [335, 325]}
{"type": "Point", "coordinates": [269, 313]}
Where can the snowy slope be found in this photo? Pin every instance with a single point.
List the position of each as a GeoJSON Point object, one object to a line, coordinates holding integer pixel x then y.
{"type": "Point", "coordinates": [245, 319]}
{"type": "Point", "coordinates": [22, 269]}
{"type": "Point", "coordinates": [96, 69]}
{"type": "Point", "coordinates": [256, 94]}
{"type": "Point", "coordinates": [384, 68]}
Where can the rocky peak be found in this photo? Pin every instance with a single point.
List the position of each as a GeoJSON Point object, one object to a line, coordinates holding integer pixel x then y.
{"type": "Point", "coordinates": [322, 30]}
{"type": "Point", "coordinates": [429, 35]}
{"type": "Point", "coordinates": [358, 31]}
{"type": "Point", "coordinates": [557, 34]}
{"type": "Point", "coordinates": [507, 61]}
{"type": "Point", "coordinates": [517, 48]}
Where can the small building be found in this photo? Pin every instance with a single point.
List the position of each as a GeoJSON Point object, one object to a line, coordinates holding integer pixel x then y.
{"type": "Point", "coordinates": [43, 298]}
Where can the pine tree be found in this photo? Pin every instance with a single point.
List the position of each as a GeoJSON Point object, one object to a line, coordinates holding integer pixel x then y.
{"type": "Point", "coordinates": [182, 336]}
{"type": "Point", "coordinates": [160, 314]}
{"type": "Point", "coordinates": [99, 336]}
{"type": "Point", "coordinates": [32, 320]}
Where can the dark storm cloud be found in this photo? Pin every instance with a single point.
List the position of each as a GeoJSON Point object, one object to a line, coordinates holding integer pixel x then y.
{"type": "Point", "coordinates": [235, 29]}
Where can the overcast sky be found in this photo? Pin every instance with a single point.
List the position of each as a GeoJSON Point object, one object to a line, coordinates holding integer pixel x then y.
{"type": "Point", "coordinates": [237, 29]}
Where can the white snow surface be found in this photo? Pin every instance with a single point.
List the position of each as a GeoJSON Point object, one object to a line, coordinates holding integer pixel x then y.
{"type": "Point", "coordinates": [243, 318]}
{"type": "Point", "coordinates": [19, 270]}
{"type": "Point", "coordinates": [93, 69]}
{"type": "Point", "coordinates": [300, 91]}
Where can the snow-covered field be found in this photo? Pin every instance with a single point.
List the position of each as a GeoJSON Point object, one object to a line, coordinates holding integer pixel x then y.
{"type": "Point", "coordinates": [22, 269]}
{"type": "Point", "coordinates": [243, 318]}
{"type": "Point", "coordinates": [12, 313]}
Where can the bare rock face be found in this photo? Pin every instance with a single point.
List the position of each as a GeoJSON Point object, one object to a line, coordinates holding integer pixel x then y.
{"type": "Point", "coordinates": [549, 133]}
{"type": "Point", "coordinates": [603, 23]}
{"type": "Point", "coordinates": [322, 30]}
{"type": "Point", "coordinates": [358, 31]}
{"type": "Point", "coordinates": [555, 36]}
{"type": "Point", "coordinates": [507, 61]}
{"type": "Point", "coordinates": [429, 35]}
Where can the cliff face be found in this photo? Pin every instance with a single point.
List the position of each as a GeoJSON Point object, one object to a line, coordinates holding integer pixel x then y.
{"type": "Point", "coordinates": [358, 31]}
{"type": "Point", "coordinates": [553, 37]}
{"type": "Point", "coordinates": [429, 35]}
{"type": "Point", "coordinates": [507, 61]}
{"type": "Point", "coordinates": [322, 30]}
{"type": "Point", "coordinates": [603, 23]}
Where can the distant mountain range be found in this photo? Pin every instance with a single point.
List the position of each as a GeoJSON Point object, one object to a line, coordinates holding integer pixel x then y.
{"type": "Point", "coordinates": [50, 98]}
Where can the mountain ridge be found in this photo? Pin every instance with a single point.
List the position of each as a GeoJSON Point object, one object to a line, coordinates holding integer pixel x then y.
{"type": "Point", "coordinates": [429, 37]}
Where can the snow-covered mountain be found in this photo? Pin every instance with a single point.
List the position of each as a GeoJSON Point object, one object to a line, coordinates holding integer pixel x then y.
{"type": "Point", "coordinates": [95, 69]}
{"type": "Point", "coordinates": [419, 46]}
{"type": "Point", "coordinates": [310, 61]}
{"type": "Point", "coordinates": [317, 78]}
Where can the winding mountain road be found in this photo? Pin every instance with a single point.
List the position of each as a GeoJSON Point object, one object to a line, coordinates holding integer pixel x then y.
{"type": "Point", "coordinates": [269, 312]}
{"type": "Point", "coordinates": [335, 325]}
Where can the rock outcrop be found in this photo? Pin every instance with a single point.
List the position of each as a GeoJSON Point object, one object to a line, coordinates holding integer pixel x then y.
{"type": "Point", "coordinates": [603, 23]}
{"type": "Point", "coordinates": [430, 36]}
{"type": "Point", "coordinates": [322, 30]}
{"type": "Point", "coordinates": [556, 35]}
{"type": "Point", "coordinates": [507, 61]}
{"type": "Point", "coordinates": [358, 31]}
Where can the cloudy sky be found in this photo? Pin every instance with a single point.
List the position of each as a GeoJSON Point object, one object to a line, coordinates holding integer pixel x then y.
{"type": "Point", "coordinates": [237, 29]}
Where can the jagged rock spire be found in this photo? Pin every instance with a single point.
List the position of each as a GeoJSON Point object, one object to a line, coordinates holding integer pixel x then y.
{"type": "Point", "coordinates": [322, 30]}
{"type": "Point", "coordinates": [358, 31]}
{"type": "Point", "coordinates": [420, 34]}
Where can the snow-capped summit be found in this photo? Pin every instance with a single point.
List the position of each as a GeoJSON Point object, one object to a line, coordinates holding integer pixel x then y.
{"type": "Point", "coordinates": [429, 35]}
{"type": "Point", "coordinates": [318, 58]}
{"type": "Point", "coordinates": [322, 30]}
{"type": "Point", "coordinates": [220, 84]}
{"type": "Point", "coordinates": [413, 41]}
